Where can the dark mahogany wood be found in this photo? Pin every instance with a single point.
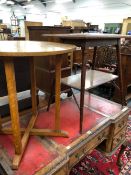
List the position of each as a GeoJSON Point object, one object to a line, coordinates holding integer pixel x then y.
{"type": "Point", "coordinates": [93, 78]}
{"type": "Point", "coordinates": [92, 40]}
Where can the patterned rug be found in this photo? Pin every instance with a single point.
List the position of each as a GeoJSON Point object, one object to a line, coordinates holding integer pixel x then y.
{"type": "Point", "coordinates": [98, 164]}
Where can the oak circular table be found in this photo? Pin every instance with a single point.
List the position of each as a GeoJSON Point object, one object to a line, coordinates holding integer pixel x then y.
{"type": "Point", "coordinates": [11, 51]}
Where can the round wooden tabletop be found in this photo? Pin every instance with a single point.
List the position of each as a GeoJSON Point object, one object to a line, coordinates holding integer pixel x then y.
{"type": "Point", "coordinates": [33, 48]}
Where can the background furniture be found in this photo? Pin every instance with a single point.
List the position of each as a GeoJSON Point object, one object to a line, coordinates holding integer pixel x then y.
{"type": "Point", "coordinates": [126, 72]}
{"type": "Point", "coordinates": [126, 68]}
{"type": "Point", "coordinates": [112, 28]}
{"type": "Point", "coordinates": [45, 68]}
{"type": "Point", "coordinates": [35, 32]}
{"type": "Point", "coordinates": [73, 23]}
{"type": "Point", "coordinates": [21, 76]}
{"type": "Point", "coordinates": [126, 26]}
{"type": "Point", "coordinates": [30, 23]}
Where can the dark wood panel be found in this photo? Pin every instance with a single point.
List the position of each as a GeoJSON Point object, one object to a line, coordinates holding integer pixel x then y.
{"type": "Point", "coordinates": [126, 73]}
{"type": "Point", "coordinates": [45, 68]}
{"type": "Point", "coordinates": [35, 32]}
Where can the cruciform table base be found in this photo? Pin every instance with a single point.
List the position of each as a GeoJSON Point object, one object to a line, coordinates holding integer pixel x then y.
{"type": "Point", "coordinates": [31, 131]}
{"type": "Point", "coordinates": [39, 132]}
{"type": "Point", "coordinates": [20, 142]}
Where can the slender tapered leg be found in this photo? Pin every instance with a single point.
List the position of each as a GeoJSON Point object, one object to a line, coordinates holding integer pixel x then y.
{"type": "Point", "coordinates": [12, 95]}
{"type": "Point", "coordinates": [57, 130]}
{"type": "Point", "coordinates": [17, 158]}
{"type": "Point", "coordinates": [51, 94]}
{"type": "Point", "coordinates": [33, 86]}
{"type": "Point", "coordinates": [57, 92]}
{"type": "Point", "coordinates": [75, 99]}
{"type": "Point", "coordinates": [83, 74]}
{"type": "Point", "coordinates": [94, 58]}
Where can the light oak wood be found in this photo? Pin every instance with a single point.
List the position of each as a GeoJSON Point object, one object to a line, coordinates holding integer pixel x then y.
{"type": "Point", "coordinates": [57, 93]}
{"type": "Point", "coordinates": [11, 51]}
{"type": "Point", "coordinates": [11, 87]}
{"type": "Point", "coordinates": [8, 130]}
{"type": "Point", "coordinates": [25, 138]}
{"type": "Point", "coordinates": [61, 168]}
{"type": "Point", "coordinates": [125, 25]}
{"type": "Point", "coordinates": [109, 140]}
{"type": "Point", "coordinates": [38, 132]}
{"type": "Point", "coordinates": [49, 132]}
{"type": "Point", "coordinates": [73, 23]}
{"type": "Point", "coordinates": [33, 48]}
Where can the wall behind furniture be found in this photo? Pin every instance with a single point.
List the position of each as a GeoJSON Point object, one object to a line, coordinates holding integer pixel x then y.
{"type": "Point", "coordinates": [34, 11]}
{"type": "Point", "coordinates": [96, 11]}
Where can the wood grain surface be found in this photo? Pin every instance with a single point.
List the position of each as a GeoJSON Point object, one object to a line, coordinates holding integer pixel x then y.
{"type": "Point", "coordinates": [88, 36]}
{"type": "Point", "coordinates": [33, 48]}
{"type": "Point", "coordinates": [93, 79]}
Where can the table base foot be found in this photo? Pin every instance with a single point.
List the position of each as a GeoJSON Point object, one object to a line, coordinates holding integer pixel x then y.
{"type": "Point", "coordinates": [16, 161]}
{"type": "Point", "coordinates": [39, 132]}
{"type": "Point", "coordinates": [49, 132]}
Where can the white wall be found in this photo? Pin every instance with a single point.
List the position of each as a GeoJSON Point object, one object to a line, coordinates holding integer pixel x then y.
{"type": "Point", "coordinates": [4, 14]}
{"type": "Point", "coordinates": [94, 11]}
{"type": "Point", "coordinates": [35, 11]}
